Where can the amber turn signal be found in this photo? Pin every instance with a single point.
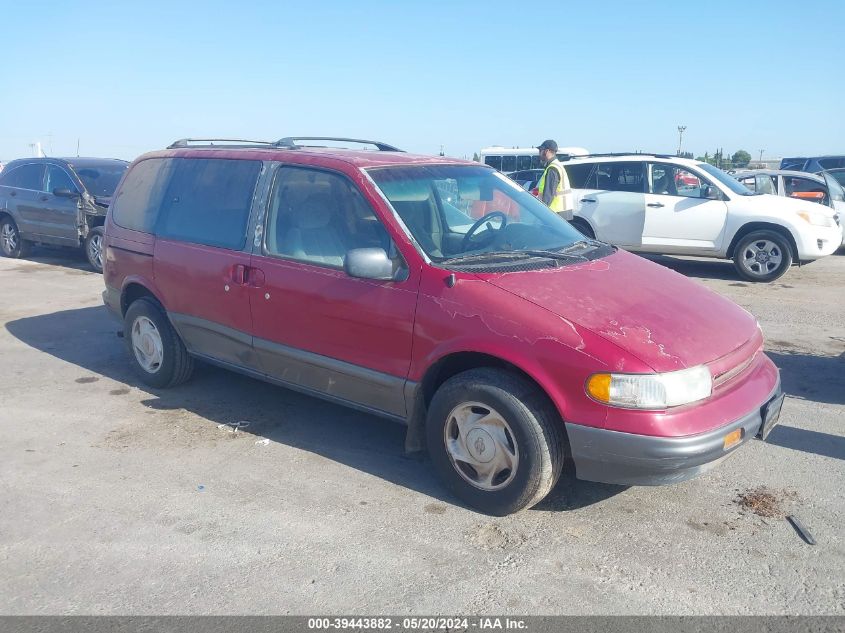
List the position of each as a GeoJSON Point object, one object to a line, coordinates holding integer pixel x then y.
{"type": "Point", "coordinates": [732, 439]}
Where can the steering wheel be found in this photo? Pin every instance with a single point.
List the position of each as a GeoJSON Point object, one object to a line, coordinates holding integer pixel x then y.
{"type": "Point", "coordinates": [478, 223]}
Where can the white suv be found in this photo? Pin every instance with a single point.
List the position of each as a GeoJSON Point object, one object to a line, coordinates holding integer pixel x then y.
{"type": "Point", "coordinates": [665, 204]}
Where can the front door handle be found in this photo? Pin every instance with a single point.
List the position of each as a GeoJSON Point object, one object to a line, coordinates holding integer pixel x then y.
{"type": "Point", "coordinates": [239, 274]}
{"type": "Point", "coordinates": [655, 205]}
{"type": "Point", "coordinates": [588, 199]}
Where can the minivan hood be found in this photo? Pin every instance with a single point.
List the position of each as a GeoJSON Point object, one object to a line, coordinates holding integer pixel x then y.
{"type": "Point", "coordinates": [662, 318]}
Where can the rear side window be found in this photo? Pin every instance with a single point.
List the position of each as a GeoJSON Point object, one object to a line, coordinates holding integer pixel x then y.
{"type": "Point", "coordinates": [139, 199]}
{"type": "Point", "coordinates": [622, 177]}
{"type": "Point", "coordinates": [832, 163]}
{"type": "Point", "coordinates": [25, 177]}
{"type": "Point", "coordinates": [494, 161]}
{"type": "Point", "coordinates": [208, 201]}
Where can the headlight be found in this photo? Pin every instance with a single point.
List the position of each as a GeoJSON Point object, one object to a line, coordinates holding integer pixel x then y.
{"type": "Point", "coordinates": [816, 218]}
{"type": "Point", "coordinates": [651, 391]}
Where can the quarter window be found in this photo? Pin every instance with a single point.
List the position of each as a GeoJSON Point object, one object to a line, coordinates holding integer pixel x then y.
{"type": "Point", "coordinates": [318, 216]}
{"type": "Point", "coordinates": [138, 201]}
{"type": "Point", "coordinates": [208, 201]}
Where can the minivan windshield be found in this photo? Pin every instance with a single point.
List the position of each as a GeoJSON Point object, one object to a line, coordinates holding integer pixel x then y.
{"type": "Point", "coordinates": [729, 182]}
{"type": "Point", "coordinates": [462, 212]}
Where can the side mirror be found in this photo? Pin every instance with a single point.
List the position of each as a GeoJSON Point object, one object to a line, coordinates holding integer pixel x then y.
{"type": "Point", "coordinates": [65, 193]}
{"type": "Point", "coordinates": [368, 263]}
{"type": "Point", "coordinates": [712, 193]}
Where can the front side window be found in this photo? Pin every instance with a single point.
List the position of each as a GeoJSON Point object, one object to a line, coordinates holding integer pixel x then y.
{"type": "Point", "coordinates": [459, 211]}
{"type": "Point", "coordinates": [673, 180]}
{"type": "Point", "coordinates": [25, 177]}
{"type": "Point", "coordinates": [208, 201]}
{"type": "Point", "coordinates": [58, 178]}
{"type": "Point", "coordinates": [805, 189]}
{"type": "Point", "coordinates": [317, 217]}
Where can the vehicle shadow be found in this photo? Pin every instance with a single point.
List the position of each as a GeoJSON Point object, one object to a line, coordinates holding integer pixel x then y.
{"type": "Point", "coordinates": [823, 444]}
{"type": "Point", "coordinates": [63, 257]}
{"type": "Point", "coordinates": [364, 442]}
{"type": "Point", "coordinates": [711, 269]}
{"type": "Point", "coordinates": [811, 377]}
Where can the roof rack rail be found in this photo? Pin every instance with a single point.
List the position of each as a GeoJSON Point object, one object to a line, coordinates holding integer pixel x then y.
{"type": "Point", "coordinates": [611, 154]}
{"type": "Point", "coordinates": [227, 142]}
{"type": "Point", "coordinates": [291, 142]}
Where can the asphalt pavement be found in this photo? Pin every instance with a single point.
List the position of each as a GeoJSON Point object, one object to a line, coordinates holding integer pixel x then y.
{"type": "Point", "coordinates": [230, 496]}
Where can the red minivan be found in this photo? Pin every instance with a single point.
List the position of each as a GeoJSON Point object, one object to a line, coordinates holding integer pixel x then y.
{"type": "Point", "coordinates": [508, 343]}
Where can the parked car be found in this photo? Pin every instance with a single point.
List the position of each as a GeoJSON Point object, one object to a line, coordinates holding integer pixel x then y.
{"type": "Point", "coordinates": [635, 201]}
{"type": "Point", "coordinates": [820, 188]}
{"type": "Point", "coordinates": [812, 164]}
{"type": "Point", "coordinates": [506, 348]}
{"type": "Point", "coordinates": [57, 201]}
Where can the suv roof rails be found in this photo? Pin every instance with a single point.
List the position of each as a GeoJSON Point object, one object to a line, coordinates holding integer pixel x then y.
{"type": "Point", "coordinates": [226, 142]}
{"type": "Point", "coordinates": [611, 154]}
{"type": "Point", "coordinates": [291, 142]}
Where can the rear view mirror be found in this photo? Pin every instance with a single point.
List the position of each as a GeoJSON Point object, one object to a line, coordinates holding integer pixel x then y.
{"type": "Point", "coordinates": [711, 193]}
{"type": "Point", "coordinates": [368, 263]}
{"type": "Point", "coordinates": [65, 193]}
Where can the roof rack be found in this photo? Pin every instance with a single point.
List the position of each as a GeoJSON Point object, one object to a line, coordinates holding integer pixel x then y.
{"type": "Point", "coordinates": [227, 142]}
{"type": "Point", "coordinates": [291, 142]}
{"type": "Point", "coordinates": [611, 154]}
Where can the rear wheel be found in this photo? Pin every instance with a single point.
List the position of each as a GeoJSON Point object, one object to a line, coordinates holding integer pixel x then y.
{"type": "Point", "coordinates": [11, 243]}
{"type": "Point", "coordinates": [495, 440]}
{"type": "Point", "coordinates": [158, 354]}
{"type": "Point", "coordinates": [762, 256]}
{"type": "Point", "coordinates": [94, 248]}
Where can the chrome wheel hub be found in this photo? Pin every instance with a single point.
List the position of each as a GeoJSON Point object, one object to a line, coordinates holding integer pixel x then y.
{"type": "Point", "coordinates": [9, 238]}
{"type": "Point", "coordinates": [95, 250]}
{"type": "Point", "coordinates": [147, 345]}
{"type": "Point", "coordinates": [481, 446]}
{"type": "Point", "coordinates": [761, 257]}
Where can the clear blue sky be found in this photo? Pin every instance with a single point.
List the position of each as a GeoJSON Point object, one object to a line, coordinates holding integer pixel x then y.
{"type": "Point", "coordinates": [128, 77]}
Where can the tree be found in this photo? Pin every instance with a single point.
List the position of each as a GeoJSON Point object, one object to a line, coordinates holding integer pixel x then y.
{"type": "Point", "coordinates": [741, 158]}
{"type": "Point", "coordinates": [477, 158]}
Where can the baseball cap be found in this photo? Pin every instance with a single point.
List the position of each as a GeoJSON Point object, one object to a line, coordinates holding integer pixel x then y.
{"type": "Point", "coordinates": [548, 144]}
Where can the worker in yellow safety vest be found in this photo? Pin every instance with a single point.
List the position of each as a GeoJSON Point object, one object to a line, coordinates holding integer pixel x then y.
{"type": "Point", "coordinates": [553, 188]}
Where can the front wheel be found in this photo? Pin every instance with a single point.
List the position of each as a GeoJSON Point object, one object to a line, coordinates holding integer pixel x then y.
{"type": "Point", "coordinates": [762, 256]}
{"type": "Point", "coordinates": [11, 243]}
{"type": "Point", "coordinates": [94, 248]}
{"type": "Point", "coordinates": [495, 440]}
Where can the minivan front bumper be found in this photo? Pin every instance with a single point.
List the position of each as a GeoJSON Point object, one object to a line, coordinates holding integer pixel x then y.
{"type": "Point", "coordinates": [615, 457]}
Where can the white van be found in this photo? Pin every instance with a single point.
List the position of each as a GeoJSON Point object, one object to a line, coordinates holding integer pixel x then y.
{"type": "Point", "coordinates": [664, 204]}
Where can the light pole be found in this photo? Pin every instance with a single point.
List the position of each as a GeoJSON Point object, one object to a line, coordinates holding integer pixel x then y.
{"type": "Point", "coordinates": [761, 155]}
{"type": "Point", "coordinates": [681, 129]}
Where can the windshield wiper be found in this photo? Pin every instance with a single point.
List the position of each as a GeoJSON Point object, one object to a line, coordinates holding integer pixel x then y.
{"type": "Point", "coordinates": [516, 255]}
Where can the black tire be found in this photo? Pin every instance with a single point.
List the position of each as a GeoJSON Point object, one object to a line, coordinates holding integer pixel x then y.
{"type": "Point", "coordinates": [536, 429]}
{"type": "Point", "coordinates": [176, 363]}
{"type": "Point", "coordinates": [770, 245]}
{"type": "Point", "coordinates": [583, 226]}
{"type": "Point", "coordinates": [93, 246]}
{"type": "Point", "coordinates": [12, 245]}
